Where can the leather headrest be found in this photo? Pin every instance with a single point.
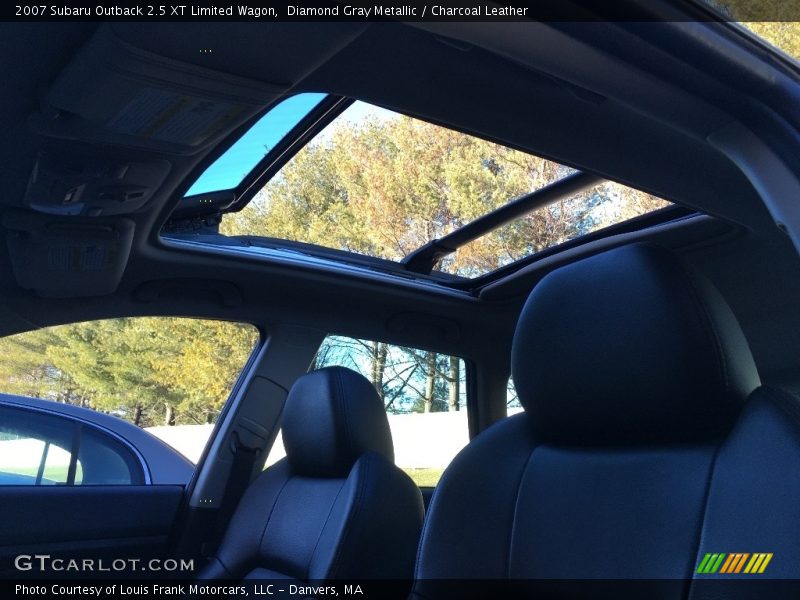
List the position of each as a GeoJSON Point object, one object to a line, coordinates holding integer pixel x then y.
{"type": "Point", "coordinates": [333, 416]}
{"type": "Point", "coordinates": [630, 347]}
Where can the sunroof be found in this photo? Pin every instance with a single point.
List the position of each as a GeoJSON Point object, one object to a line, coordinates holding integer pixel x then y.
{"type": "Point", "coordinates": [774, 22]}
{"type": "Point", "coordinates": [380, 184]}
{"type": "Point", "coordinates": [592, 210]}
{"type": "Point", "coordinates": [235, 164]}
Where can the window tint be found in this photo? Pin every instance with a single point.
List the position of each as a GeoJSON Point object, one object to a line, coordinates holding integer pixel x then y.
{"type": "Point", "coordinates": [232, 167]}
{"type": "Point", "coordinates": [40, 449]}
{"type": "Point", "coordinates": [424, 394]}
{"type": "Point", "coordinates": [169, 376]}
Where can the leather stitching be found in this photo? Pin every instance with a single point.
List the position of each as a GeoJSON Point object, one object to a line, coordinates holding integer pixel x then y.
{"type": "Point", "coordinates": [358, 505]}
{"type": "Point", "coordinates": [708, 322]}
{"type": "Point", "coordinates": [787, 403]}
{"type": "Point", "coordinates": [701, 532]}
{"type": "Point", "coordinates": [344, 411]}
{"type": "Point", "coordinates": [269, 518]}
{"type": "Point", "coordinates": [516, 510]}
{"type": "Point", "coordinates": [322, 529]}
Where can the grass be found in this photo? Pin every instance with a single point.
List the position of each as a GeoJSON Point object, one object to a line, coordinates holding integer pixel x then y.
{"type": "Point", "coordinates": [52, 473]}
{"type": "Point", "coordinates": [425, 477]}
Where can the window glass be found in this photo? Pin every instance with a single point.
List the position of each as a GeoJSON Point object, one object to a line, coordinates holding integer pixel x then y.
{"type": "Point", "coordinates": [232, 167]}
{"type": "Point", "coordinates": [56, 466]}
{"type": "Point", "coordinates": [170, 376]}
{"type": "Point", "coordinates": [513, 405]}
{"type": "Point", "coordinates": [42, 449]}
{"type": "Point", "coordinates": [424, 394]}
{"type": "Point", "coordinates": [774, 22]}
{"type": "Point", "coordinates": [381, 184]}
{"type": "Point", "coordinates": [20, 457]}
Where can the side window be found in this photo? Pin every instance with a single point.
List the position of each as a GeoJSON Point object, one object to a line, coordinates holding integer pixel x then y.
{"type": "Point", "coordinates": [424, 394]}
{"type": "Point", "coordinates": [169, 376]}
{"type": "Point", "coordinates": [513, 405]}
{"type": "Point", "coordinates": [40, 449]}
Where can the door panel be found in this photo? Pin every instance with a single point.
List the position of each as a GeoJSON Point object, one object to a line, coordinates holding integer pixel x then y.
{"type": "Point", "coordinates": [85, 521]}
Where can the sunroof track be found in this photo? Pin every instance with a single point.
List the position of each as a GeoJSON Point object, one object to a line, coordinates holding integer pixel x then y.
{"type": "Point", "coordinates": [424, 259]}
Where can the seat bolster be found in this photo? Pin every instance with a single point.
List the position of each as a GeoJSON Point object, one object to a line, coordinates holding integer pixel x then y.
{"type": "Point", "coordinates": [467, 533]}
{"type": "Point", "coordinates": [214, 570]}
{"type": "Point", "coordinates": [240, 548]}
{"type": "Point", "coordinates": [374, 526]}
{"type": "Point", "coordinates": [753, 498]}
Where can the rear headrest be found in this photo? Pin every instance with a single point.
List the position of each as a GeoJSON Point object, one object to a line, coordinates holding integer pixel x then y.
{"type": "Point", "coordinates": [333, 416]}
{"type": "Point", "coordinates": [630, 347]}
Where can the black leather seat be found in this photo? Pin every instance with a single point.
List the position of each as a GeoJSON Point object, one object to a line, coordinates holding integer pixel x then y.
{"type": "Point", "coordinates": [646, 441]}
{"type": "Point", "coordinates": [336, 507]}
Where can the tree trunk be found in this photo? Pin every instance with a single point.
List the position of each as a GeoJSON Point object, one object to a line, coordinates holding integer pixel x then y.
{"type": "Point", "coordinates": [169, 416]}
{"type": "Point", "coordinates": [379, 353]}
{"type": "Point", "coordinates": [453, 383]}
{"type": "Point", "coordinates": [430, 381]}
{"type": "Point", "coordinates": [137, 415]}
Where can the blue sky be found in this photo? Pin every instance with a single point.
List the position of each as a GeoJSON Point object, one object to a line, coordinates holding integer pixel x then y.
{"type": "Point", "coordinates": [230, 168]}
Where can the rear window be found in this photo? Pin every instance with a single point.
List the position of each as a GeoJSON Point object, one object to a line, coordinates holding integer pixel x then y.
{"type": "Point", "coordinates": [424, 393]}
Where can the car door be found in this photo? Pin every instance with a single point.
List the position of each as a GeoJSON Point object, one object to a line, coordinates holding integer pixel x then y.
{"type": "Point", "coordinates": [83, 491]}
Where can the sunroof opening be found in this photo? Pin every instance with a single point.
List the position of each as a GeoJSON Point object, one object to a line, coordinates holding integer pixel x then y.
{"type": "Point", "coordinates": [589, 211]}
{"type": "Point", "coordinates": [380, 184]}
{"type": "Point", "coordinates": [238, 161]}
{"type": "Point", "coordinates": [774, 22]}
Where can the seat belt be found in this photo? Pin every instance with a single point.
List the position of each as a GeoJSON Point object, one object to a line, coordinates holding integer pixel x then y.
{"type": "Point", "coordinates": [244, 457]}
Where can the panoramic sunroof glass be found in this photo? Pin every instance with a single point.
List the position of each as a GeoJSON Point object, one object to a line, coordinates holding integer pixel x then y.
{"type": "Point", "coordinates": [583, 213]}
{"type": "Point", "coordinates": [381, 184]}
{"type": "Point", "coordinates": [235, 164]}
{"type": "Point", "coordinates": [776, 23]}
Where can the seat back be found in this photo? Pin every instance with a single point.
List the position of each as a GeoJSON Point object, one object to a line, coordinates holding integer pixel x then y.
{"type": "Point", "coordinates": [336, 507]}
{"type": "Point", "coordinates": [646, 443]}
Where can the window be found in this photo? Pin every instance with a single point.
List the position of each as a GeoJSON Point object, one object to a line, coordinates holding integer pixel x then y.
{"type": "Point", "coordinates": [232, 167]}
{"type": "Point", "coordinates": [774, 22]}
{"type": "Point", "coordinates": [169, 376]}
{"type": "Point", "coordinates": [424, 394]}
{"type": "Point", "coordinates": [40, 449]}
{"type": "Point", "coordinates": [513, 405]}
{"type": "Point", "coordinates": [381, 184]}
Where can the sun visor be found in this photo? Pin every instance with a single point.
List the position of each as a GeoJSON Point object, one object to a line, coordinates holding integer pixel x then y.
{"type": "Point", "coordinates": [70, 257]}
{"type": "Point", "coordinates": [114, 93]}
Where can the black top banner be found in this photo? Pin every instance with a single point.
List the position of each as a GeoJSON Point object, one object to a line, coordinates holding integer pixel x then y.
{"type": "Point", "coordinates": [398, 10]}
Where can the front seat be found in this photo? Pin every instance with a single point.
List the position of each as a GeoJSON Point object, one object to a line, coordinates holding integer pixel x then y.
{"type": "Point", "coordinates": [336, 507]}
{"type": "Point", "coordinates": [646, 443]}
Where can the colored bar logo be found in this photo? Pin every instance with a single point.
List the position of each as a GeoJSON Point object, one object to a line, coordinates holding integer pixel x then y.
{"type": "Point", "coordinates": [735, 562]}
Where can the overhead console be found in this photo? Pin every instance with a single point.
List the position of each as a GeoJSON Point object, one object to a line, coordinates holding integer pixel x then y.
{"type": "Point", "coordinates": [115, 93]}
{"type": "Point", "coordinates": [135, 109]}
{"type": "Point", "coordinates": [115, 123]}
{"type": "Point", "coordinates": [72, 257]}
{"type": "Point", "coordinates": [92, 185]}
